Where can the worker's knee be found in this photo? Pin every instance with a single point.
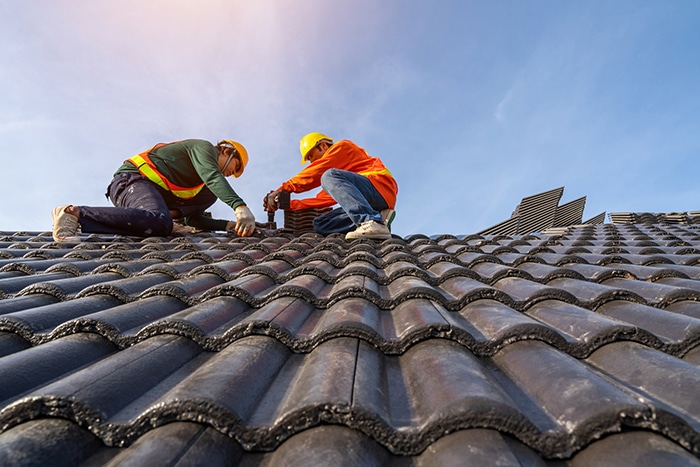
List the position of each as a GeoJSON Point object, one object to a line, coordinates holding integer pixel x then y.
{"type": "Point", "coordinates": [333, 178]}
{"type": "Point", "coordinates": [160, 226]}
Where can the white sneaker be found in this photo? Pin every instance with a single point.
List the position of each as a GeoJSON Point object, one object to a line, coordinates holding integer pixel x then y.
{"type": "Point", "coordinates": [388, 216]}
{"type": "Point", "coordinates": [65, 225]}
{"type": "Point", "coordinates": [370, 229]}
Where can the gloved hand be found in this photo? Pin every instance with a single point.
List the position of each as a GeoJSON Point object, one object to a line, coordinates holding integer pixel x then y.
{"type": "Point", "coordinates": [245, 221]}
{"type": "Point", "coordinates": [270, 201]}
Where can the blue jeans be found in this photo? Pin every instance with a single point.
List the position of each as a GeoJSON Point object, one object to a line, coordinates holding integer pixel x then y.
{"type": "Point", "coordinates": [142, 209]}
{"type": "Point", "coordinates": [358, 199]}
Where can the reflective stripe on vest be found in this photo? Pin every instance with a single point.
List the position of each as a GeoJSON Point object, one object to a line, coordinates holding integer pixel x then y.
{"type": "Point", "coordinates": [148, 169]}
{"type": "Point", "coordinates": [377, 172]}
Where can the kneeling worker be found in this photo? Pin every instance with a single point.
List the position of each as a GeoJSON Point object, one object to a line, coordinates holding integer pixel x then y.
{"type": "Point", "coordinates": [170, 180]}
{"type": "Point", "coordinates": [361, 184]}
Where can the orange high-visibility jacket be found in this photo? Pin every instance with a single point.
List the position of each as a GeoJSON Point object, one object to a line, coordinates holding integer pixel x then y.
{"type": "Point", "coordinates": [344, 155]}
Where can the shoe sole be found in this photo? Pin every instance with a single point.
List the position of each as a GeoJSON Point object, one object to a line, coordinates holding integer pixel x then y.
{"type": "Point", "coordinates": [371, 237]}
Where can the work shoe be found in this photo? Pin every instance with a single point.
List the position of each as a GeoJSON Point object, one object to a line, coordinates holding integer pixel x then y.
{"type": "Point", "coordinates": [369, 229]}
{"type": "Point", "coordinates": [388, 216]}
{"type": "Point", "coordinates": [65, 225]}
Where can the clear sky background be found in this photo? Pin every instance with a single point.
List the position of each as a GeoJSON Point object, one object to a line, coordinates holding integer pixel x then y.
{"type": "Point", "coordinates": [472, 105]}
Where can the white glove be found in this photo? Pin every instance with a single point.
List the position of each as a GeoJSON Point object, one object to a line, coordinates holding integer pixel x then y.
{"type": "Point", "coordinates": [245, 221]}
{"type": "Point", "coordinates": [270, 203]}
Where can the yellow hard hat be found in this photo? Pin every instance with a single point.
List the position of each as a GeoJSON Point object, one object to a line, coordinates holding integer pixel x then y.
{"type": "Point", "coordinates": [241, 152]}
{"type": "Point", "coordinates": [308, 142]}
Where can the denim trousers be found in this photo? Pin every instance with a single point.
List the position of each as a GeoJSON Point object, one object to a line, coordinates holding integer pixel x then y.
{"type": "Point", "coordinates": [359, 202]}
{"type": "Point", "coordinates": [141, 208]}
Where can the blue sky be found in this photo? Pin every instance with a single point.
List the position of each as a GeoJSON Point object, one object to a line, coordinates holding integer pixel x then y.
{"type": "Point", "coordinates": [472, 105]}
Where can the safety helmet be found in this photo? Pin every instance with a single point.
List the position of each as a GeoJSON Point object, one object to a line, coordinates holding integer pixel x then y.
{"type": "Point", "coordinates": [229, 143]}
{"type": "Point", "coordinates": [308, 142]}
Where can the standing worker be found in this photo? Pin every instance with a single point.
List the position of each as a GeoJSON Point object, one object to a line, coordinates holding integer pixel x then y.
{"type": "Point", "coordinates": [361, 184]}
{"type": "Point", "coordinates": [170, 180]}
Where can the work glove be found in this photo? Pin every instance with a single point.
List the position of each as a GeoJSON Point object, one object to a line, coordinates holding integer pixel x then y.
{"type": "Point", "coordinates": [245, 221]}
{"type": "Point", "coordinates": [270, 201]}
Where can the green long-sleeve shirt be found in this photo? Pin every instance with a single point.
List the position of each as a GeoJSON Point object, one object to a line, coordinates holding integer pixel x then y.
{"type": "Point", "coordinates": [189, 163]}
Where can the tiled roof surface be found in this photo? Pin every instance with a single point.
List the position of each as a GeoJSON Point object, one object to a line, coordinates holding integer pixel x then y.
{"type": "Point", "coordinates": [580, 346]}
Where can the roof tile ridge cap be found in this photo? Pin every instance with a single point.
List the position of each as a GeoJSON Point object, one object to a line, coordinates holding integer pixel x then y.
{"type": "Point", "coordinates": [431, 279]}
{"type": "Point", "coordinates": [161, 255]}
{"type": "Point", "coordinates": [482, 258]}
{"type": "Point", "coordinates": [113, 267]}
{"type": "Point", "coordinates": [161, 268]}
{"type": "Point", "coordinates": [46, 288]}
{"type": "Point", "coordinates": [258, 246]}
{"type": "Point", "coordinates": [93, 326]}
{"type": "Point", "coordinates": [199, 254]}
{"type": "Point", "coordinates": [332, 259]}
{"type": "Point", "coordinates": [239, 256]}
{"type": "Point", "coordinates": [19, 266]}
{"type": "Point", "coordinates": [349, 271]}
{"type": "Point", "coordinates": [509, 272]}
{"type": "Point", "coordinates": [166, 289]}
{"type": "Point", "coordinates": [22, 329]}
{"type": "Point", "coordinates": [360, 256]}
{"type": "Point", "coordinates": [116, 254]}
{"type": "Point", "coordinates": [294, 247]}
{"type": "Point", "coordinates": [284, 290]}
{"type": "Point", "coordinates": [280, 255]}
{"type": "Point", "coordinates": [31, 408]}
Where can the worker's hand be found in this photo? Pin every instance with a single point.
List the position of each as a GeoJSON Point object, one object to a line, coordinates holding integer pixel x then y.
{"type": "Point", "coordinates": [245, 221]}
{"type": "Point", "coordinates": [270, 201]}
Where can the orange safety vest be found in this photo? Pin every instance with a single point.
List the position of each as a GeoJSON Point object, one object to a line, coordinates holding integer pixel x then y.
{"type": "Point", "coordinates": [149, 170]}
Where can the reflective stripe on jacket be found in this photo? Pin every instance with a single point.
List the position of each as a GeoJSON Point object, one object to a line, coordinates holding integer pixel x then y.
{"type": "Point", "coordinates": [148, 169]}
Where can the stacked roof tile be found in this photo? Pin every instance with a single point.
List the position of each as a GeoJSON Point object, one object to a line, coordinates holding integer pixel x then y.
{"type": "Point", "coordinates": [541, 212]}
{"type": "Point", "coordinates": [580, 346]}
{"type": "Point", "coordinates": [692, 218]}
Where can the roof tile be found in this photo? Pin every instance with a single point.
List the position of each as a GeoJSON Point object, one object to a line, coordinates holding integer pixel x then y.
{"type": "Point", "coordinates": [527, 348]}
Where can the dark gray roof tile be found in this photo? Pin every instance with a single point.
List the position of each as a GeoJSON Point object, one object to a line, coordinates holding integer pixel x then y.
{"type": "Point", "coordinates": [685, 307]}
{"type": "Point", "coordinates": [526, 292]}
{"type": "Point", "coordinates": [11, 343]}
{"type": "Point", "coordinates": [490, 325]}
{"type": "Point", "coordinates": [492, 272]}
{"type": "Point", "coordinates": [647, 273]}
{"type": "Point", "coordinates": [30, 323]}
{"type": "Point", "coordinates": [125, 324]}
{"type": "Point", "coordinates": [665, 383]}
{"type": "Point", "coordinates": [36, 366]}
{"type": "Point", "coordinates": [675, 330]}
{"type": "Point", "coordinates": [583, 329]}
{"type": "Point", "coordinates": [10, 286]}
{"type": "Point", "coordinates": [115, 389]}
{"type": "Point", "coordinates": [545, 273]}
{"type": "Point", "coordinates": [643, 449]}
{"type": "Point", "coordinates": [591, 295]}
{"type": "Point", "coordinates": [655, 293]}
{"type": "Point", "coordinates": [594, 273]}
{"type": "Point", "coordinates": [64, 287]}
{"type": "Point", "coordinates": [577, 403]}
{"type": "Point", "coordinates": [693, 356]}
{"type": "Point", "coordinates": [10, 305]}
{"type": "Point", "coordinates": [52, 441]}
{"type": "Point", "coordinates": [188, 289]}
